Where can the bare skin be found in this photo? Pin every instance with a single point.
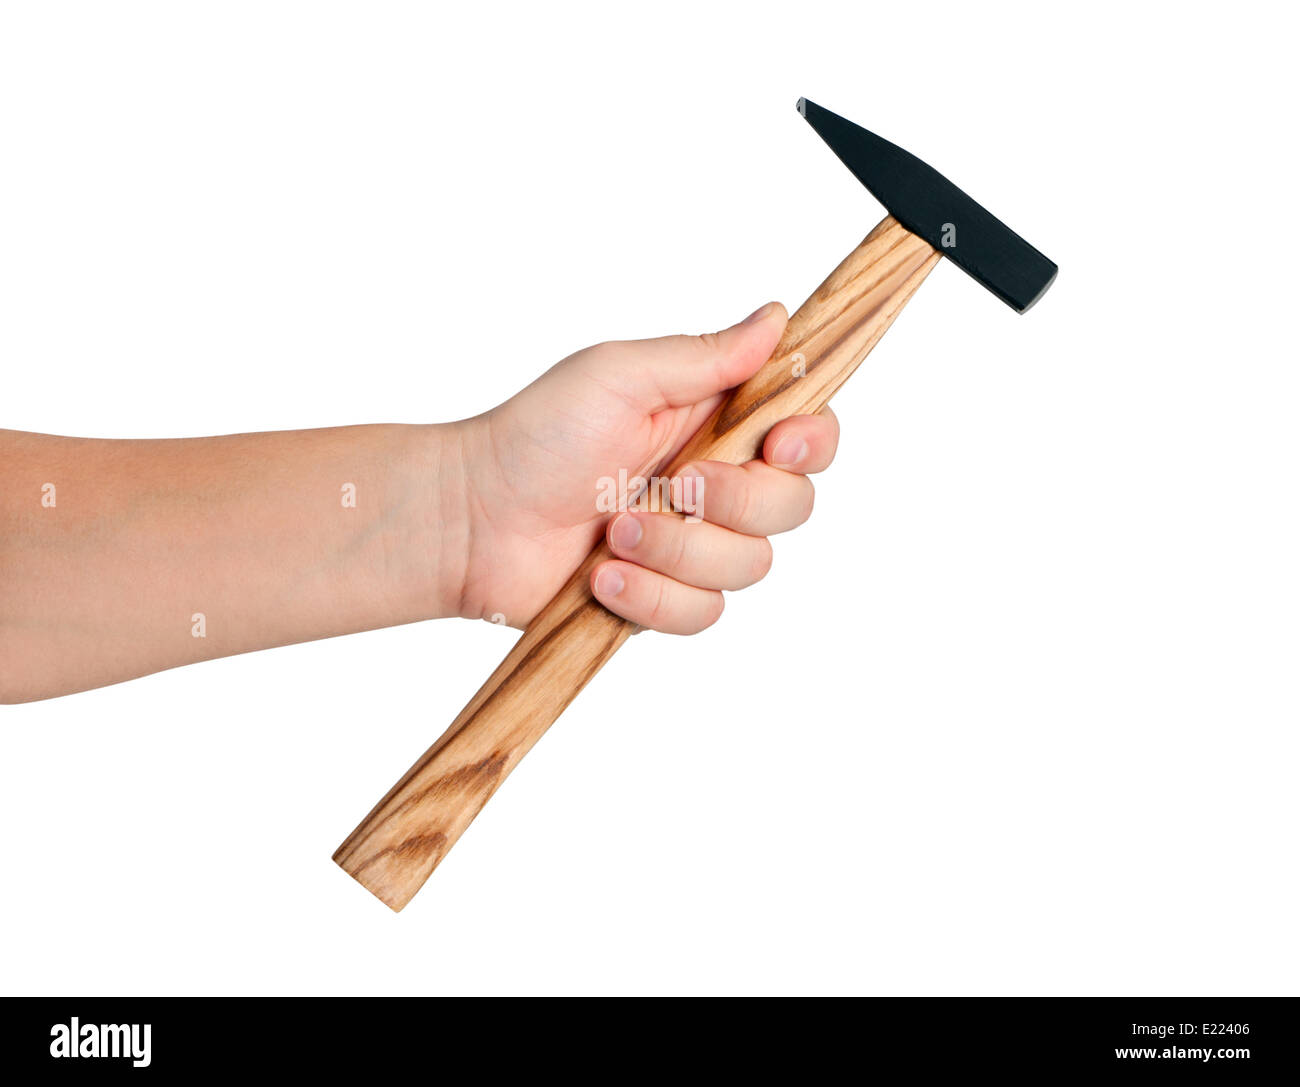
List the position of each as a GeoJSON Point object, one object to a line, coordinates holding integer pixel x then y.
{"type": "Point", "coordinates": [116, 554]}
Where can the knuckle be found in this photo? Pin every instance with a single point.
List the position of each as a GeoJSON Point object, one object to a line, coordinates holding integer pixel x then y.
{"type": "Point", "coordinates": [807, 503]}
{"type": "Point", "coordinates": [710, 341]}
{"type": "Point", "coordinates": [747, 506]}
{"type": "Point", "coordinates": [679, 550]}
{"type": "Point", "coordinates": [708, 613]}
{"type": "Point", "coordinates": [762, 560]}
{"type": "Point", "coordinates": [660, 605]}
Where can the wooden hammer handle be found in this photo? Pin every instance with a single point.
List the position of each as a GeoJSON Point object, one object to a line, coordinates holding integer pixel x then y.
{"type": "Point", "coordinates": [402, 840]}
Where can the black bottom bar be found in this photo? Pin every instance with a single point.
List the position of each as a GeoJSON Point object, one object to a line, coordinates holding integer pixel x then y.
{"type": "Point", "coordinates": [1220, 1038]}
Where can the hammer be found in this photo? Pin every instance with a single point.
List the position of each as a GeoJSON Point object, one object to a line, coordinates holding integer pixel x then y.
{"type": "Point", "coordinates": [396, 847]}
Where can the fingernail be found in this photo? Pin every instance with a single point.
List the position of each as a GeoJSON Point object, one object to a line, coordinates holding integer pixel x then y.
{"type": "Point", "coordinates": [758, 314]}
{"type": "Point", "coordinates": [609, 582]}
{"type": "Point", "coordinates": [625, 532]}
{"type": "Point", "coordinates": [789, 451]}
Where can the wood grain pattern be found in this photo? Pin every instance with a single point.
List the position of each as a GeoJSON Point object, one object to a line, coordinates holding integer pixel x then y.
{"type": "Point", "coordinates": [396, 847]}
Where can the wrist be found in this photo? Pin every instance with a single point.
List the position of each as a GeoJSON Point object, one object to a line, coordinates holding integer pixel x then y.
{"type": "Point", "coordinates": [443, 535]}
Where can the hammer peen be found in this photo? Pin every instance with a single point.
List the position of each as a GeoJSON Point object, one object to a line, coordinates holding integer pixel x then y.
{"type": "Point", "coordinates": [396, 847]}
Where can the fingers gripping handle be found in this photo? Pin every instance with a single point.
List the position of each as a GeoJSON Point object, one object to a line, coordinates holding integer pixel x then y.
{"type": "Point", "coordinates": [402, 840]}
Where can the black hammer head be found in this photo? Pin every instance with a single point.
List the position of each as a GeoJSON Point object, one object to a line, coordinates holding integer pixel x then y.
{"type": "Point", "coordinates": [932, 207]}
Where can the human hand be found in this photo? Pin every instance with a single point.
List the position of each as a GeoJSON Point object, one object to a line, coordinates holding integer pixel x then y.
{"type": "Point", "coordinates": [169, 551]}
{"type": "Point", "coordinates": [533, 466]}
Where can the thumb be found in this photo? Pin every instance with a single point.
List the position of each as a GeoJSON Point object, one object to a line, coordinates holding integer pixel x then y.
{"type": "Point", "coordinates": [673, 371]}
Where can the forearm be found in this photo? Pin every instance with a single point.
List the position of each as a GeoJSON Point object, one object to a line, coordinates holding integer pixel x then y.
{"type": "Point", "coordinates": [145, 555]}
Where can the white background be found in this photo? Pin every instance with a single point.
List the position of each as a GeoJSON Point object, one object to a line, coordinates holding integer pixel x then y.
{"type": "Point", "coordinates": [1015, 713]}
